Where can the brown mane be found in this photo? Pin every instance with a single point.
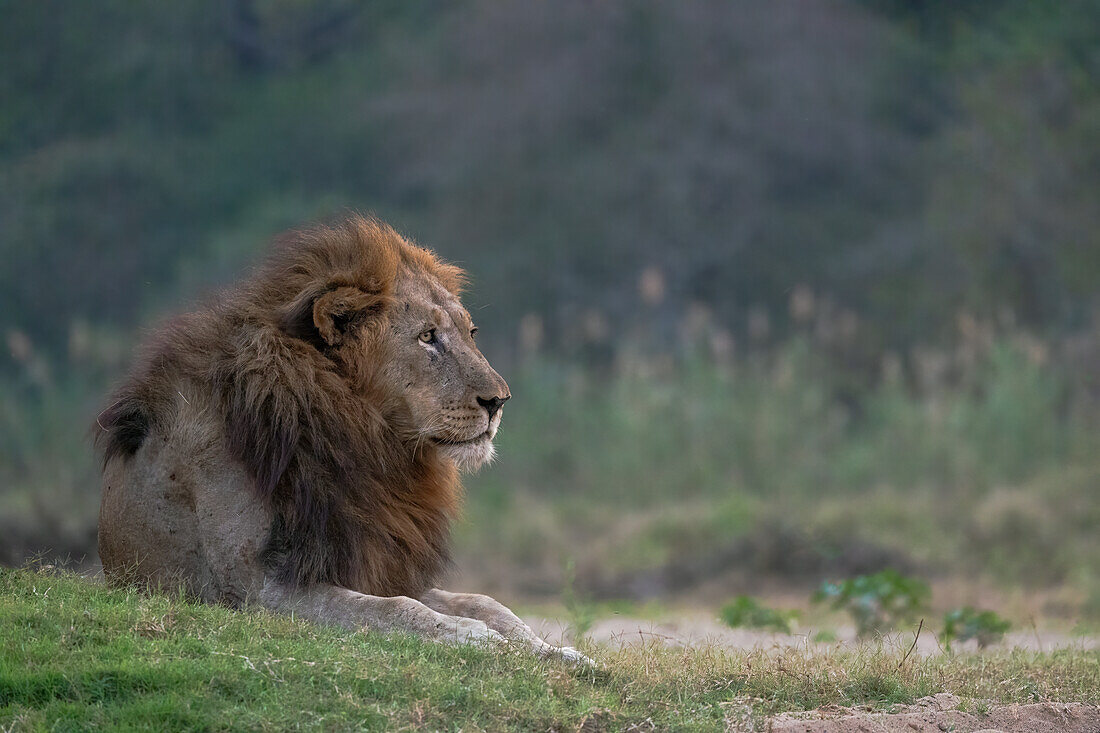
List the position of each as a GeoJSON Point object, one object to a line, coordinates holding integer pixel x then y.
{"type": "Point", "coordinates": [293, 357]}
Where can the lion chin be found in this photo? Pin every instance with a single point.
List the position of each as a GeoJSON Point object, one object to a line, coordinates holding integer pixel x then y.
{"type": "Point", "coordinates": [470, 455]}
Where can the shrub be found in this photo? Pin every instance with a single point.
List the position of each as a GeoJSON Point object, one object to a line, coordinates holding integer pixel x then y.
{"type": "Point", "coordinates": [876, 602]}
{"type": "Point", "coordinates": [745, 611]}
{"type": "Point", "coordinates": [967, 623]}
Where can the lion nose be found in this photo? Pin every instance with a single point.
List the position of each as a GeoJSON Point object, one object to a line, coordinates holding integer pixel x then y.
{"type": "Point", "coordinates": [492, 404]}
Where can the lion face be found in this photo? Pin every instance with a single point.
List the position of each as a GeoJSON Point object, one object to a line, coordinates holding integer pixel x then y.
{"type": "Point", "coordinates": [452, 393]}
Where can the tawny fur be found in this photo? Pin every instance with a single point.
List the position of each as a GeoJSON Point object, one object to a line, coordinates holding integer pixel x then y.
{"type": "Point", "coordinates": [293, 361]}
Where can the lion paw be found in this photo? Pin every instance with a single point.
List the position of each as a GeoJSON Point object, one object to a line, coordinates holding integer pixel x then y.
{"type": "Point", "coordinates": [459, 630]}
{"type": "Point", "coordinates": [569, 655]}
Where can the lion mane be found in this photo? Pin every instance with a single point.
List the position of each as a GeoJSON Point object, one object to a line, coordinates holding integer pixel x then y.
{"type": "Point", "coordinates": [303, 409]}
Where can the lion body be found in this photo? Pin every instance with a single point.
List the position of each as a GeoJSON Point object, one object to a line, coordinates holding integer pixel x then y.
{"type": "Point", "coordinates": [297, 443]}
{"type": "Point", "coordinates": [180, 511]}
{"type": "Point", "coordinates": [251, 443]}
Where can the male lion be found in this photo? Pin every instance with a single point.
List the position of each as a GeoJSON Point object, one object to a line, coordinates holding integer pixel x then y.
{"type": "Point", "coordinates": [297, 444]}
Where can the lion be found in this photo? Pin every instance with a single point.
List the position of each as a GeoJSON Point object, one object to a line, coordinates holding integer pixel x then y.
{"type": "Point", "coordinates": [297, 443]}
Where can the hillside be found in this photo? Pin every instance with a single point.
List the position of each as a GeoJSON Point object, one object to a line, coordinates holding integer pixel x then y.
{"type": "Point", "coordinates": [77, 656]}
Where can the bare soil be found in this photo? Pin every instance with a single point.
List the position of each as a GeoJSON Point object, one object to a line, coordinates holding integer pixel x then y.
{"type": "Point", "coordinates": [941, 713]}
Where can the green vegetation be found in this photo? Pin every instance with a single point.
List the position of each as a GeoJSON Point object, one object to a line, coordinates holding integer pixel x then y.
{"type": "Point", "coordinates": [807, 334]}
{"type": "Point", "coordinates": [760, 467]}
{"type": "Point", "coordinates": [146, 155]}
{"type": "Point", "coordinates": [658, 477]}
{"type": "Point", "coordinates": [746, 611]}
{"type": "Point", "coordinates": [778, 301]}
{"type": "Point", "coordinates": [877, 602]}
{"type": "Point", "coordinates": [75, 655]}
{"type": "Point", "coordinates": [579, 612]}
{"type": "Point", "coordinates": [967, 623]}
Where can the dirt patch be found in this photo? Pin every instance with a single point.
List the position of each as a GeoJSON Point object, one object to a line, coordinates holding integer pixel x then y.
{"type": "Point", "coordinates": [940, 713]}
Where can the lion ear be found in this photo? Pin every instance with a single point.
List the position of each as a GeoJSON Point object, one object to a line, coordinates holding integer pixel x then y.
{"type": "Point", "coordinates": [327, 318]}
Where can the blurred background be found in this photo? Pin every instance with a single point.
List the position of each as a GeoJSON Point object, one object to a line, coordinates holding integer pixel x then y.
{"type": "Point", "coordinates": [784, 291]}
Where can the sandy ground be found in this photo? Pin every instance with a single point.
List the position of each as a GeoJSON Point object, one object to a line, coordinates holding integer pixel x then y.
{"type": "Point", "coordinates": [935, 714]}
{"type": "Point", "coordinates": [940, 713]}
{"type": "Point", "coordinates": [699, 629]}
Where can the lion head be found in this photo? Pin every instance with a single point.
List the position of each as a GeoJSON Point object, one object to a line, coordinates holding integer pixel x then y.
{"type": "Point", "coordinates": [453, 396]}
{"type": "Point", "coordinates": [383, 301]}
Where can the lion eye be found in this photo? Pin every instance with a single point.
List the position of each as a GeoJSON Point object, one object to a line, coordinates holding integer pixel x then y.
{"type": "Point", "coordinates": [427, 337]}
{"type": "Point", "coordinates": [473, 331]}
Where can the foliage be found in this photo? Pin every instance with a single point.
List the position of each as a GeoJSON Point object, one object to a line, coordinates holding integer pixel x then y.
{"type": "Point", "coordinates": [581, 614]}
{"type": "Point", "coordinates": [872, 286]}
{"type": "Point", "coordinates": [877, 602]}
{"type": "Point", "coordinates": [76, 655]}
{"type": "Point", "coordinates": [656, 474]}
{"type": "Point", "coordinates": [746, 611]}
{"type": "Point", "coordinates": [145, 155]}
{"type": "Point", "coordinates": [966, 623]}
{"type": "Point", "coordinates": [763, 460]}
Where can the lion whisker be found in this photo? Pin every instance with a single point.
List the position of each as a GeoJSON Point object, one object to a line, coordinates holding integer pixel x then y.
{"type": "Point", "coordinates": [427, 430]}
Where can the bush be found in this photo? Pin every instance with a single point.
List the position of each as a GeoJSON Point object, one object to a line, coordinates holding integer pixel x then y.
{"type": "Point", "coordinates": [877, 602]}
{"type": "Point", "coordinates": [967, 623]}
{"type": "Point", "coordinates": [745, 611]}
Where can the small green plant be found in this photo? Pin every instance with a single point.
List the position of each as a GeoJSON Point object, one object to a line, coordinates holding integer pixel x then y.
{"type": "Point", "coordinates": [581, 613]}
{"type": "Point", "coordinates": [877, 602]}
{"type": "Point", "coordinates": [967, 623]}
{"type": "Point", "coordinates": [824, 636]}
{"type": "Point", "coordinates": [745, 611]}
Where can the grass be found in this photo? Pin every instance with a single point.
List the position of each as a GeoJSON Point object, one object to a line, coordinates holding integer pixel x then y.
{"type": "Point", "coordinates": [684, 470]}
{"type": "Point", "coordinates": [75, 655]}
{"type": "Point", "coordinates": [989, 474]}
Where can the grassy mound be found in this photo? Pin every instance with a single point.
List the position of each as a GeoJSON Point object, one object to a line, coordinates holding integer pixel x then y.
{"type": "Point", "coordinates": [75, 655]}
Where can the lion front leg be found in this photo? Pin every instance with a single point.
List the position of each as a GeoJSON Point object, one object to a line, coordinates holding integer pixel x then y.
{"type": "Point", "coordinates": [330, 604]}
{"type": "Point", "coordinates": [500, 618]}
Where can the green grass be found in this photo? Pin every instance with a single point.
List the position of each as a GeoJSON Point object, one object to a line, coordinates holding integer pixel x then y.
{"type": "Point", "coordinates": [687, 465]}
{"type": "Point", "coordinates": [75, 655]}
{"type": "Point", "coordinates": [988, 475]}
